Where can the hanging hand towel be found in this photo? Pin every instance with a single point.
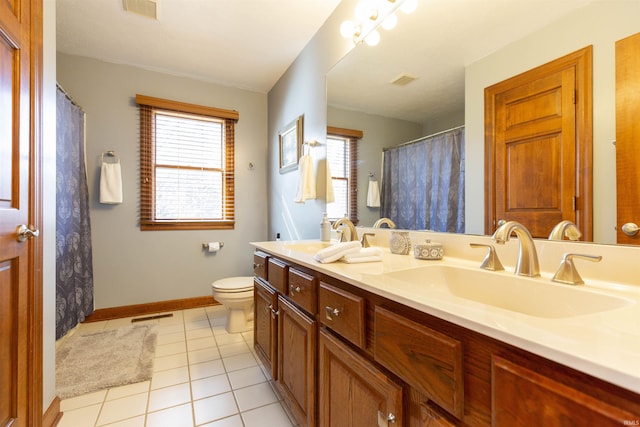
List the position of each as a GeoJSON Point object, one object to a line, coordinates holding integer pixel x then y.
{"type": "Point", "coordinates": [306, 180]}
{"type": "Point", "coordinates": [373, 195]}
{"type": "Point", "coordinates": [330, 195]}
{"type": "Point", "coordinates": [110, 183]}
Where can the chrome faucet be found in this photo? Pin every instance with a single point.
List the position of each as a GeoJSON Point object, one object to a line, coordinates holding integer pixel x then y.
{"type": "Point", "coordinates": [527, 264]}
{"type": "Point", "coordinates": [565, 228]}
{"type": "Point", "coordinates": [382, 221]}
{"type": "Point", "coordinates": [346, 222]}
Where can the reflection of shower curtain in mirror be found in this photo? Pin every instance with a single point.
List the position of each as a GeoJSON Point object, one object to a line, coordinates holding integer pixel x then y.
{"type": "Point", "coordinates": [74, 262]}
{"type": "Point", "coordinates": [423, 183]}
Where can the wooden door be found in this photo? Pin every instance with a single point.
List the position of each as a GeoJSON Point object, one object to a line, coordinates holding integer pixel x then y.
{"type": "Point", "coordinates": [538, 147]}
{"type": "Point", "coordinates": [352, 391]}
{"type": "Point", "coordinates": [20, 330]}
{"type": "Point", "coordinates": [265, 325]}
{"type": "Point", "coordinates": [297, 361]}
{"type": "Point", "coordinates": [628, 136]}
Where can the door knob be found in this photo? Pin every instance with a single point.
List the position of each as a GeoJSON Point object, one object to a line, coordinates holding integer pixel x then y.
{"type": "Point", "coordinates": [630, 229]}
{"type": "Point", "coordinates": [23, 232]}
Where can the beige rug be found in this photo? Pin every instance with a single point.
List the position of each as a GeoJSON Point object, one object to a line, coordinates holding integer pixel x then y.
{"type": "Point", "coordinates": [90, 361]}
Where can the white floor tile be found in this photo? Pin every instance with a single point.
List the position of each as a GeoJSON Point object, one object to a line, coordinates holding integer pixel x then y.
{"type": "Point", "coordinates": [170, 338]}
{"type": "Point", "coordinates": [169, 396]}
{"type": "Point", "coordinates": [198, 333]}
{"type": "Point", "coordinates": [83, 400]}
{"type": "Point", "coordinates": [214, 408]}
{"type": "Point", "coordinates": [206, 369]}
{"type": "Point", "coordinates": [210, 386]}
{"type": "Point", "coordinates": [128, 390]}
{"type": "Point", "coordinates": [246, 377]}
{"type": "Point", "coordinates": [226, 339]}
{"type": "Point", "coordinates": [170, 362]}
{"type": "Point", "coordinates": [171, 348]}
{"type": "Point", "coordinates": [241, 361]}
{"type": "Point", "coordinates": [130, 422]}
{"type": "Point", "coordinates": [200, 343]}
{"type": "Point", "coordinates": [81, 417]}
{"type": "Point", "coordinates": [170, 377]}
{"type": "Point", "coordinates": [234, 349]}
{"type": "Point", "coordinates": [271, 415]}
{"type": "Point", "coordinates": [233, 421]}
{"type": "Point", "coordinates": [254, 396]}
{"type": "Point", "coordinates": [170, 328]}
{"type": "Point", "coordinates": [178, 416]}
{"type": "Point", "coordinates": [198, 324]}
{"type": "Point", "coordinates": [203, 355]}
{"type": "Point", "coordinates": [121, 409]}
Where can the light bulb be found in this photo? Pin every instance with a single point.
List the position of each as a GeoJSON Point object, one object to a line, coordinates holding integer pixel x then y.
{"type": "Point", "coordinates": [347, 29]}
{"type": "Point", "coordinates": [373, 38]}
{"type": "Point", "coordinates": [390, 22]}
{"type": "Point", "coordinates": [409, 6]}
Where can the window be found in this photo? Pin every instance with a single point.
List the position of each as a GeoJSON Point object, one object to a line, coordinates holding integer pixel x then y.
{"type": "Point", "coordinates": [186, 166]}
{"type": "Point", "coordinates": [342, 158]}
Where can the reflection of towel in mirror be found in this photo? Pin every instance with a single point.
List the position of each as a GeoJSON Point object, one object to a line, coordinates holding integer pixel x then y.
{"type": "Point", "coordinates": [306, 180]}
{"type": "Point", "coordinates": [330, 195]}
{"type": "Point", "coordinates": [110, 183]}
{"type": "Point", "coordinates": [373, 194]}
{"type": "Point", "coordinates": [337, 251]}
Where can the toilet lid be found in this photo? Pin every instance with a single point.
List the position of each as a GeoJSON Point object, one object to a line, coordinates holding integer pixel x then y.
{"type": "Point", "coordinates": [233, 284]}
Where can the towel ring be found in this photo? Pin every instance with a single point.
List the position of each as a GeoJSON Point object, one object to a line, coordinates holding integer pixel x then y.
{"type": "Point", "coordinates": [112, 154]}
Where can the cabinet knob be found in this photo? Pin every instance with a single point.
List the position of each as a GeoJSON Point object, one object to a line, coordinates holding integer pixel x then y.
{"type": "Point", "coordinates": [331, 312]}
{"type": "Point", "coordinates": [296, 289]}
{"type": "Point", "coordinates": [255, 265]}
{"type": "Point", "coordinates": [385, 420]}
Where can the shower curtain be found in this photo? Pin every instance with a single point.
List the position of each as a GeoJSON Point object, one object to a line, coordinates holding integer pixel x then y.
{"type": "Point", "coordinates": [74, 264]}
{"type": "Point", "coordinates": [423, 183]}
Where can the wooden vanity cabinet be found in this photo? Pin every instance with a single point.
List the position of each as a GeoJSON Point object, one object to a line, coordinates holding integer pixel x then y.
{"type": "Point", "coordinates": [265, 325]}
{"type": "Point", "coordinates": [353, 392]}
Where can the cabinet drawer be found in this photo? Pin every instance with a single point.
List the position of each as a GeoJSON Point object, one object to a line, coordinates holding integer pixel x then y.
{"type": "Point", "coordinates": [342, 312]}
{"type": "Point", "coordinates": [277, 273]}
{"type": "Point", "coordinates": [303, 290]}
{"type": "Point", "coordinates": [260, 264]}
{"type": "Point", "coordinates": [427, 360]}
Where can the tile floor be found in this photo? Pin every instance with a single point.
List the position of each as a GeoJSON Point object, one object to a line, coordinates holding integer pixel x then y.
{"type": "Point", "coordinates": [203, 376]}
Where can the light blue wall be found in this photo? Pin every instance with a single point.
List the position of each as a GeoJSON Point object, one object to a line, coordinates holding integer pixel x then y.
{"type": "Point", "coordinates": [135, 267]}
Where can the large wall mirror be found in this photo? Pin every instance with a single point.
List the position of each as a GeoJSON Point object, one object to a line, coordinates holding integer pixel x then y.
{"type": "Point", "coordinates": [450, 51]}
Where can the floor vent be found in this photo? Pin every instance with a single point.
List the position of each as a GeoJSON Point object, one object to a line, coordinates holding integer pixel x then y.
{"type": "Point", "coordinates": [403, 79]}
{"type": "Point", "coordinates": [148, 8]}
{"type": "Point", "coordinates": [157, 316]}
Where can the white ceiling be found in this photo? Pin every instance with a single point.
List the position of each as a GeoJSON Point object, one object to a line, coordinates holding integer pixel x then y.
{"type": "Point", "coordinates": [250, 43]}
{"type": "Point", "coordinates": [242, 43]}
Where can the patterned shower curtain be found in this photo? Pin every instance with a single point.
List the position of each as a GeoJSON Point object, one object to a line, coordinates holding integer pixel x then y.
{"type": "Point", "coordinates": [74, 264]}
{"type": "Point", "coordinates": [423, 183]}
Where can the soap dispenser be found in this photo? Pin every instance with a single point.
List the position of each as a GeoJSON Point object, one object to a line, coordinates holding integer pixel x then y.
{"type": "Point", "coordinates": [325, 228]}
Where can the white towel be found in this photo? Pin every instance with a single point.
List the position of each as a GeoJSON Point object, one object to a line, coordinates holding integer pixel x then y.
{"type": "Point", "coordinates": [363, 255]}
{"type": "Point", "coordinates": [373, 195]}
{"type": "Point", "coordinates": [337, 251]}
{"type": "Point", "coordinates": [306, 180]}
{"type": "Point", "coordinates": [330, 195]}
{"type": "Point", "coordinates": [110, 183]}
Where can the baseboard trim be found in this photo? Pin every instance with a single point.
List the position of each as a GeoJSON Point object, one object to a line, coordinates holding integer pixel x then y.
{"type": "Point", "coordinates": [52, 415]}
{"type": "Point", "coordinates": [148, 308]}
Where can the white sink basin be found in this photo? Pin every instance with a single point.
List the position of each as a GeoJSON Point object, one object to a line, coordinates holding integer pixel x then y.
{"type": "Point", "coordinates": [534, 297]}
{"type": "Point", "coordinates": [307, 247]}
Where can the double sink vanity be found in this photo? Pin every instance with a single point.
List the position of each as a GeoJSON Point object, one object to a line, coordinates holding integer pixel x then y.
{"type": "Point", "coordinates": [410, 342]}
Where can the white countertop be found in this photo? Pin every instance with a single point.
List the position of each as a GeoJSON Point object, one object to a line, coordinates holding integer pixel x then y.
{"type": "Point", "coordinates": [605, 345]}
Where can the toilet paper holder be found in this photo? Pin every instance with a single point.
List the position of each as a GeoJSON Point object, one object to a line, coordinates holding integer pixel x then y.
{"type": "Point", "coordinates": [207, 246]}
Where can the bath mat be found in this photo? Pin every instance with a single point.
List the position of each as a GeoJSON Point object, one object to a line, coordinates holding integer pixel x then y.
{"type": "Point", "coordinates": [91, 361]}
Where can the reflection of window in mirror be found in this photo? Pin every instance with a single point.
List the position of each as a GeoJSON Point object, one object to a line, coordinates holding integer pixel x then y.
{"type": "Point", "coordinates": [342, 159]}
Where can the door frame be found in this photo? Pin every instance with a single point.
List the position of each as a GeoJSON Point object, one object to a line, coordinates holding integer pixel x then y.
{"type": "Point", "coordinates": [581, 60]}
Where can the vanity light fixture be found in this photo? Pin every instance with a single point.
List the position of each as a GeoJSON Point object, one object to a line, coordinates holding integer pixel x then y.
{"type": "Point", "coordinates": [371, 14]}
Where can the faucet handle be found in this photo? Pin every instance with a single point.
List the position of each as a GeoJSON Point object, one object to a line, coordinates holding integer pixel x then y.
{"type": "Point", "coordinates": [567, 272]}
{"type": "Point", "coordinates": [491, 261]}
{"type": "Point", "coordinates": [364, 241]}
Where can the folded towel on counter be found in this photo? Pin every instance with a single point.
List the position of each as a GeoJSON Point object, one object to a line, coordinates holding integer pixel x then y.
{"type": "Point", "coordinates": [364, 255]}
{"type": "Point", "coordinates": [110, 183]}
{"type": "Point", "coordinates": [337, 251]}
{"type": "Point", "coordinates": [306, 180]}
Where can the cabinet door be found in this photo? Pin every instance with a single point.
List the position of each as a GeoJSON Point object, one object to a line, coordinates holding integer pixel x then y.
{"type": "Point", "coordinates": [297, 361]}
{"type": "Point", "coordinates": [265, 325]}
{"type": "Point", "coordinates": [353, 392]}
{"type": "Point", "coordinates": [522, 397]}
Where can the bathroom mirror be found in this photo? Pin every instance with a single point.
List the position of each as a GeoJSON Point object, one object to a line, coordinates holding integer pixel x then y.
{"type": "Point", "coordinates": [471, 47]}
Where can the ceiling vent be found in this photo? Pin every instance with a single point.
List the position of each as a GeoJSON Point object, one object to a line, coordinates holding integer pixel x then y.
{"type": "Point", "coordinates": [148, 8]}
{"type": "Point", "coordinates": [403, 79]}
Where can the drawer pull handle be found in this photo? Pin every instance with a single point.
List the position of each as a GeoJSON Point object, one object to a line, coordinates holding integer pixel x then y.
{"type": "Point", "coordinates": [296, 289]}
{"type": "Point", "coordinates": [331, 312]}
{"type": "Point", "coordinates": [257, 265]}
{"type": "Point", "coordinates": [268, 308]}
{"type": "Point", "coordinates": [274, 313]}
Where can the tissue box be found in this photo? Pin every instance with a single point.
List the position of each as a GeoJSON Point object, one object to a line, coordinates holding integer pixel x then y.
{"type": "Point", "coordinates": [428, 250]}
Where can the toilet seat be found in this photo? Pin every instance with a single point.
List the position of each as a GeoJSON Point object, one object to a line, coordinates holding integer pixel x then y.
{"type": "Point", "coordinates": [233, 285]}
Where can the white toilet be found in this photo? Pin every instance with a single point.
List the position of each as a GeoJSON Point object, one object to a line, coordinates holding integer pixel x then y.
{"type": "Point", "coordinates": [236, 295]}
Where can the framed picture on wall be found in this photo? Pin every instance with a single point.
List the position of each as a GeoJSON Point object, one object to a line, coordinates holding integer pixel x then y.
{"type": "Point", "coordinates": [290, 140]}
